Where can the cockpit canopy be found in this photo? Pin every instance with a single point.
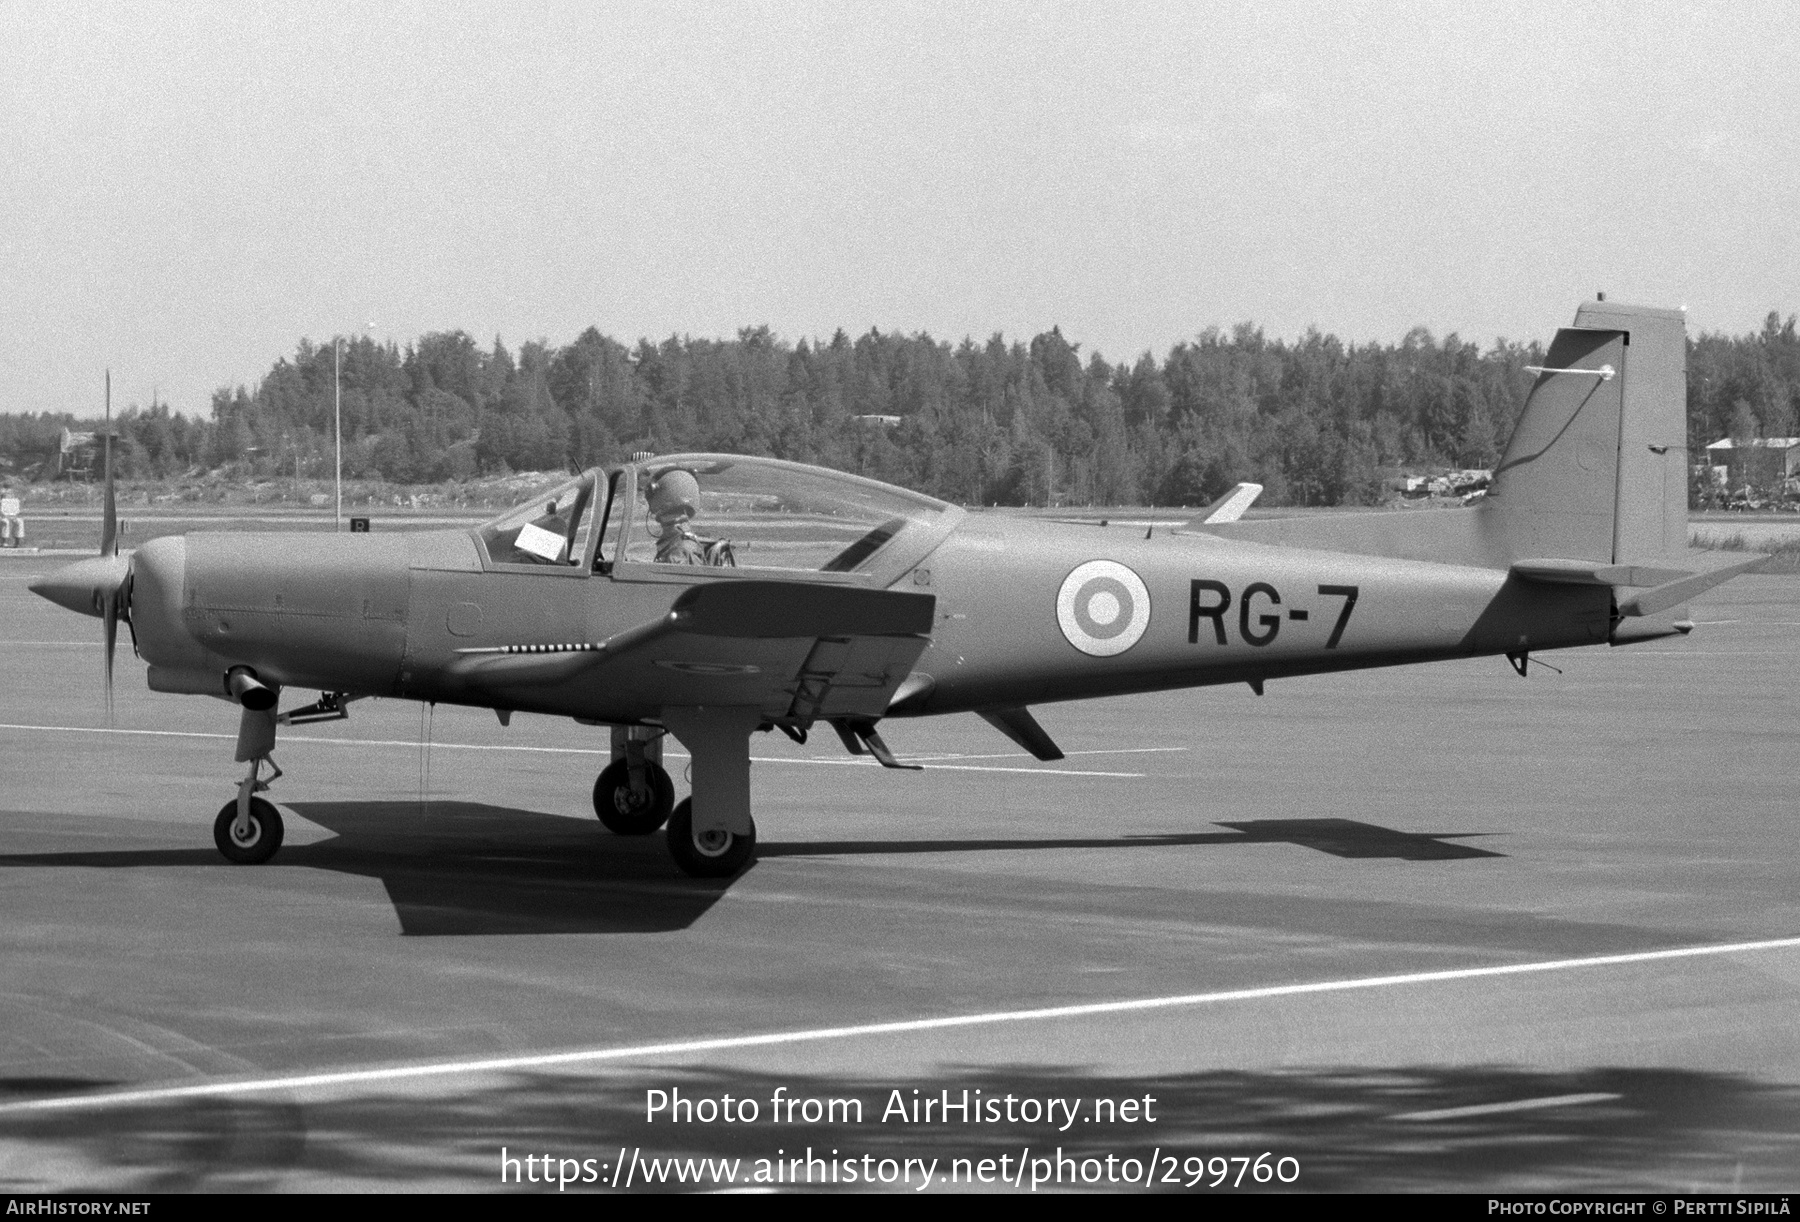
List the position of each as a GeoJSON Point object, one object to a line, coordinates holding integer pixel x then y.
{"type": "Point", "coordinates": [551, 528]}
{"type": "Point", "coordinates": [718, 510]}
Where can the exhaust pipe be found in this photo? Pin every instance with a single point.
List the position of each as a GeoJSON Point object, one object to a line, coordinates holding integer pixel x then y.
{"type": "Point", "coordinates": [249, 691]}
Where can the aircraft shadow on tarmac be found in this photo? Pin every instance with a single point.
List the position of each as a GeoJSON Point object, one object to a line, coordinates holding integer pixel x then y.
{"type": "Point", "coordinates": [467, 868]}
{"type": "Point", "coordinates": [1362, 1129]}
{"type": "Point", "coordinates": [1338, 837]}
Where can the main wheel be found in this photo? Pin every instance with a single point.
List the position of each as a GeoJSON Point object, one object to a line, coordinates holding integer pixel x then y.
{"type": "Point", "coordinates": [707, 854]}
{"type": "Point", "coordinates": [626, 813]}
{"type": "Point", "coordinates": [264, 837]}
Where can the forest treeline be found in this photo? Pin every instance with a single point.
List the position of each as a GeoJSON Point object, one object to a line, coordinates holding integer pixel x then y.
{"type": "Point", "coordinates": [1316, 420]}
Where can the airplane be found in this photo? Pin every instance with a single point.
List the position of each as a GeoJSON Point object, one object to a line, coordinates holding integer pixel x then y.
{"type": "Point", "coordinates": [824, 597]}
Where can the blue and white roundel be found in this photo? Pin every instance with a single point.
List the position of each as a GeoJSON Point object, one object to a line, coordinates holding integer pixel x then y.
{"type": "Point", "coordinates": [1103, 608]}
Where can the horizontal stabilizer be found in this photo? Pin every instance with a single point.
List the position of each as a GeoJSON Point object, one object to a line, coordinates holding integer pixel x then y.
{"type": "Point", "coordinates": [1661, 587]}
{"type": "Point", "coordinates": [1596, 573]}
{"type": "Point", "coordinates": [1673, 593]}
{"type": "Point", "coordinates": [1228, 508]}
{"type": "Point", "coordinates": [1019, 725]}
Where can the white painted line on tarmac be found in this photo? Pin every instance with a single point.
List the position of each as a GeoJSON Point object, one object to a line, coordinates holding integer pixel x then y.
{"type": "Point", "coordinates": [1515, 1105]}
{"type": "Point", "coordinates": [114, 730]}
{"type": "Point", "coordinates": [632, 1052]}
{"type": "Point", "coordinates": [415, 745]}
{"type": "Point", "coordinates": [1695, 653]}
{"type": "Point", "coordinates": [1023, 755]}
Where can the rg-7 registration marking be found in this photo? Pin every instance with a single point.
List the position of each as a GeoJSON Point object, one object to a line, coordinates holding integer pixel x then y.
{"type": "Point", "coordinates": [1267, 624]}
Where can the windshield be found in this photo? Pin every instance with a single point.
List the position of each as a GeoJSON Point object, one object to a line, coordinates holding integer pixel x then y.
{"type": "Point", "coordinates": [551, 528]}
{"type": "Point", "coordinates": [706, 509]}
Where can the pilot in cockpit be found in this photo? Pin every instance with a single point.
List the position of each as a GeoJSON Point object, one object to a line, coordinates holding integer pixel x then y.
{"type": "Point", "coordinates": [674, 499]}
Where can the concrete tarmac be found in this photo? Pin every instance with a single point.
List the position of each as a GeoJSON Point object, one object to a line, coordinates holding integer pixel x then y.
{"type": "Point", "coordinates": [1322, 896]}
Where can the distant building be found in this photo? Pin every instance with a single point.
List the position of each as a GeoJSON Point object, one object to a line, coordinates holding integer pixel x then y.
{"type": "Point", "coordinates": [886, 422]}
{"type": "Point", "coordinates": [77, 454]}
{"type": "Point", "coordinates": [1761, 462]}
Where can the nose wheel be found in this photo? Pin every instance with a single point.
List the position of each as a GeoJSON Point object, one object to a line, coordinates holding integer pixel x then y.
{"type": "Point", "coordinates": [707, 854]}
{"type": "Point", "coordinates": [253, 840]}
{"type": "Point", "coordinates": [628, 810]}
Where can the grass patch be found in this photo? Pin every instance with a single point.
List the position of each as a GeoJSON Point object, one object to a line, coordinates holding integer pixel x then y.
{"type": "Point", "coordinates": [1784, 552]}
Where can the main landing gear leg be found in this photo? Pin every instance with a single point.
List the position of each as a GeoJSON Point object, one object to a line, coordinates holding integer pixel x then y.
{"type": "Point", "coordinates": [711, 835]}
{"type": "Point", "coordinates": [248, 830]}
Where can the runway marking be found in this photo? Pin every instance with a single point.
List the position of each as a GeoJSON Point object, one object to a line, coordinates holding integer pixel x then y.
{"type": "Point", "coordinates": [1698, 653]}
{"type": "Point", "coordinates": [414, 745]}
{"type": "Point", "coordinates": [39, 644]}
{"type": "Point", "coordinates": [1022, 755]}
{"type": "Point", "coordinates": [590, 1056]}
{"type": "Point", "coordinates": [1516, 1105]}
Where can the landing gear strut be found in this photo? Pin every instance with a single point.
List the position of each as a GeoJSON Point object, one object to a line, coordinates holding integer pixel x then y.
{"type": "Point", "coordinates": [634, 795]}
{"type": "Point", "coordinates": [248, 829]}
{"type": "Point", "coordinates": [711, 834]}
{"type": "Point", "coordinates": [633, 811]}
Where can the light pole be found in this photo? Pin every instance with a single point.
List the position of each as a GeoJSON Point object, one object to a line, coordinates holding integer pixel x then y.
{"type": "Point", "coordinates": [337, 423]}
{"type": "Point", "coordinates": [337, 417]}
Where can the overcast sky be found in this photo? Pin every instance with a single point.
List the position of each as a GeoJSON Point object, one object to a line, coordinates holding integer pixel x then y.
{"type": "Point", "coordinates": [187, 189]}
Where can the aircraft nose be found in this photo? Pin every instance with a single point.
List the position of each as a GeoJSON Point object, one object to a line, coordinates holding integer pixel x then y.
{"type": "Point", "coordinates": [79, 586]}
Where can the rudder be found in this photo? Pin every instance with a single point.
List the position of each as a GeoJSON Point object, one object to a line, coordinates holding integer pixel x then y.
{"type": "Point", "coordinates": [1650, 520]}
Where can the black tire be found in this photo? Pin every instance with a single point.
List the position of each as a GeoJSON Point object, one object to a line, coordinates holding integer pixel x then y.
{"type": "Point", "coordinates": [265, 826]}
{"type": "Point", "coordinates": [721, 855]}
{"type": "Point", "coordinates": [625, 813]}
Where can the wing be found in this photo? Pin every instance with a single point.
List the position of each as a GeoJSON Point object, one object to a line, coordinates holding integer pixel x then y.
{"type": "Point", "coordinates": [796, 651]}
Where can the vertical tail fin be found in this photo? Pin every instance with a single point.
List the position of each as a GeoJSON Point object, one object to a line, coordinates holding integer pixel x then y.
{"type": "Point", "coordinates": [1595, 472]}
{"type": "Point", "coordinates": [1596, 469]}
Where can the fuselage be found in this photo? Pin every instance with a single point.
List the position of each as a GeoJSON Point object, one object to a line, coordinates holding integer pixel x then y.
{"type": "Point", "coordinates": [1028, 611]}
{"type": "Point", "coordinates": [707, 596]}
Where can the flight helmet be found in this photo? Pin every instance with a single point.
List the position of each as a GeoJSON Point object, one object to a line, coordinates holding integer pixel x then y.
{"type": "Point", "coordinates": [676, 493]}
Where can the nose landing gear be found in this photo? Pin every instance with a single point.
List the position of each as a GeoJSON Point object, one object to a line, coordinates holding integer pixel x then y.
{"type": "Point", "coordinates": [256, 841]}
{"type": "Point", "coordinates": [248, 829]}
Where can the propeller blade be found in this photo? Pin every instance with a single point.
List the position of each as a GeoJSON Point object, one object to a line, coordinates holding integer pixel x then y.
{"type": "Point", "coordinates": [109, 521]}
{"type": "Point", "coordinates": [109, 616]}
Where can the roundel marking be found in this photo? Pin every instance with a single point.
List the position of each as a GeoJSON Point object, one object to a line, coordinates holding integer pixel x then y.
{"type": "Point", "coordinates": [1103, 608]}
